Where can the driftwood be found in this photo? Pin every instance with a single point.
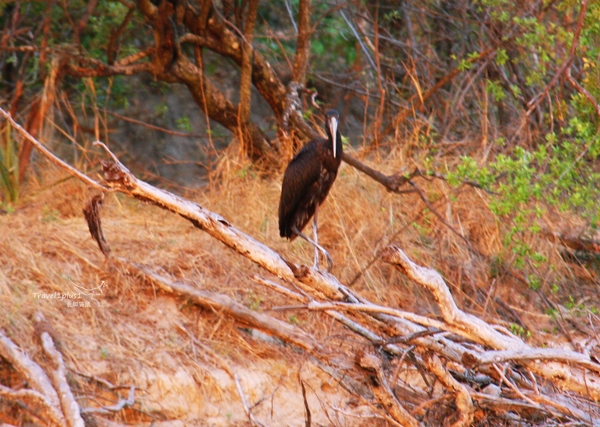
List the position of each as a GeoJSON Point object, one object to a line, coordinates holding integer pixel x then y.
{"type": "Point", "coordinates": [31, 371]}
{"type": "Point", "coordinates": [459, 351]}
{"type": "Point", "coordinates": [50, 397]}
{"type": "Point", "coordinates": [59, 380]}
{"type": "Point", "coordinates": [319, 285]}
{"type": "Point", "coordinates": [223, 304]}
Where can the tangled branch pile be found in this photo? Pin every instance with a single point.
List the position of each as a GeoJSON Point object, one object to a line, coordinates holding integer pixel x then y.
{"type": "Point", "coordinates": [409, 369]}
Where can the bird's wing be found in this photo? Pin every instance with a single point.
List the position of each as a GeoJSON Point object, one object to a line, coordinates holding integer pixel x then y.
{"type": "Point", "coordinates": [301, 174]}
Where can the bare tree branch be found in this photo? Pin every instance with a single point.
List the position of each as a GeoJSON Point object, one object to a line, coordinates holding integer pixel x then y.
{"type": "Point", "coordinates": [33, 398]}
{"type": "Point", "coordinates": [225, 305]}
{"type": "Point", "coordinates": [36, 377]}
{"type": "Point", "coordinates": [383, 392]}
{"type": "Point", "coordinates": [59, 380]}
{"type": "Point", "coordinates": [70, 169]}
{"type": "Point", "coordinates": [583, 91]}
{"type": "Point", "coordinates": [569, 371]}
{"type": "Point", "coordinates": [464, 403]}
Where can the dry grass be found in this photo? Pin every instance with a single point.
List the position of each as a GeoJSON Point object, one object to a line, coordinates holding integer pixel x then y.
{"type": "Point", "coordinates": [135, 334]}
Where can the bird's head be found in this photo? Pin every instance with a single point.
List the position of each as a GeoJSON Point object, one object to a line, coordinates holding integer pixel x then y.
{"type": "Point", "coordinates": [332, 119]}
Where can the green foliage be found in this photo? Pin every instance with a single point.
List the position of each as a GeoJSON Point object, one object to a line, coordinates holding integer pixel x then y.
{"type": "Point", "coordinates": [559, 169]}
{"type": "Point", "coordinates": [161, 109]}
{"type": "Point", "coordinates": [520, 331]}
{"type": "Point", "coordinates": [113, 92]}
{"type": "Point", "coordinates": [345, 142]}
{"type": "Point", "coordinates": [332, 45]}
{"type": "Point", "coordinates": [495, 89]}
{"type": "Point", "coordinates": [184, 124]}
{"type": "Point", "coordinates": [463, 64]}
{"type": "Point", "coordinates": [525, 181]}
{"type": "Point", "coordinates": [254, 301]}
{"type": "Point", "coordinates": [579, 308]}
{"type": "Point", "coordinates": [501, 57]}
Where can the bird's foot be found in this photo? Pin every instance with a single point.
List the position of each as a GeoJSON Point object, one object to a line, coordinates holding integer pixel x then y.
{"type": "Point", "coordinates": [329, 259]}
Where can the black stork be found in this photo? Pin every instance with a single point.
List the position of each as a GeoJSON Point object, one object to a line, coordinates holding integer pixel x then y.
{"type": "Point", "coordinates": [306, 183]}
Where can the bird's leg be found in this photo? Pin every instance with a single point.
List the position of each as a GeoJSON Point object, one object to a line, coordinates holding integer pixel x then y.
{"type": "Point", "coordinates": [316, 237]}
{"type": "Point", "coordinates": [309, 240]}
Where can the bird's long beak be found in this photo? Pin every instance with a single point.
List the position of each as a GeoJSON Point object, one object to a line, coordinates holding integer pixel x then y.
{"type": "Point", "coordinates": [333, 124]}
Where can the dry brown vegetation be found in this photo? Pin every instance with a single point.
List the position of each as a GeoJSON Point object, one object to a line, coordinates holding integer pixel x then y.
{"type": "Point", "coordinates": [441, 309]}
{"type": "Point", "coordinates": [177, 354]}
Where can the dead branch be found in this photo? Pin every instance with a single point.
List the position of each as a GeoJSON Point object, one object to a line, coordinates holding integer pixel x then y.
{"type": "Point", "coordinates": [48, 154]}
{"type": "Point", "coordinates": [383, 392]}
{"type": "Point", "coordinates": [573, 372]}
{"type": "Point", "coordinates": [510, 385]}
{"type": "Point", "coordinates": [560, 407]}
{"type": "Point", "coordinates": [119, 178]}
{"type": "Point", "coordinates": [50, 397]}
{"type": "Point", "coordinates": [58, 376]}
{"type": "Point", "coordinates": [223, 304]}
{"type": "Point", "coordinates": [92, 215]}
{"type": "Point", "coordinates": [36, 377]}
{"type": "Point", "coordinates": [538, 354]}
{"type": "Point", "coordinates": [432, 280]}
{"type": "Point", "coordinates": [247, 408]}
{"type": "Point", "coordinates": [307, 415]}
{"type": "Point", "coordinates": [43, 395]}
{"type": "Point", "coordinates": [463, 401]}
{"type": "Point", "coordinates": [33, 400]}
{"type": "Point", "coordinates": [121, 404]}
{"type": "Point", "coordinates": [573, 379]}
{"type": "Point", "coordinates": [373, 308]}
{"type": "Point", "coordinates": [334, 314]}
{"type": "Point", "coordinates": [392, 183]}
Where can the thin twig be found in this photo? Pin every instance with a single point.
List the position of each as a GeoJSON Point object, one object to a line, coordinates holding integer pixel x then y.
{"type": "Point", "coordinates": [48, 154]}
{"type": "Point", "coordinates": [158, 128]}
{"type": "Point", "coordinates": [533, 103]}
{"type": "Point", "coordinates": [120, 405]}
{"type": "Point", "coordinates": [359, 39]}
{"type": "Point", "coordinates": [583, 91]}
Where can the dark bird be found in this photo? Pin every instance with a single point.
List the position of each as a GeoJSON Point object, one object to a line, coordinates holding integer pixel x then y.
{"type": "Point", "coordinates": [306, 183]}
